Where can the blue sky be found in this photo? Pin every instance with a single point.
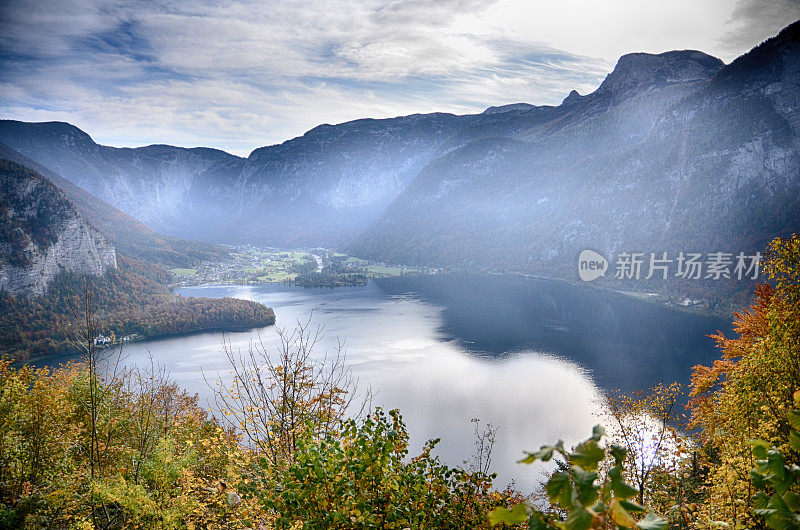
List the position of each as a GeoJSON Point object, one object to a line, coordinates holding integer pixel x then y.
{"type": "Point", "coordinates": [239, 75]}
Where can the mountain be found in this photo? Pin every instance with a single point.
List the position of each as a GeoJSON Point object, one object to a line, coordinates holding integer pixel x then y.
{"type": "Point", "coordinates": [49, 254]}
{"type": "Point", "coordinates": [324, 187]}
{"type": "Point", "coordinates": [329, 184]}
{"type": "Point", "coordinates": [673, 152]}
{"type": "Point", "coordinates": [321, 188]}
{"type": "Point", "coordinates": [129, 236]}
{"type": "Point", "coordinates": [155, 184]}
{"type": "Point", "coordinates": [42, 234]}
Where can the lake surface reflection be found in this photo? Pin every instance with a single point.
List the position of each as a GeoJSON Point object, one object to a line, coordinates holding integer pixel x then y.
{"type": "Point", "coordinates": [530, 356]}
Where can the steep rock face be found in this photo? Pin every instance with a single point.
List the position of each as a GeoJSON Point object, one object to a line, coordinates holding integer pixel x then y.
{"type": "Point", "coordinates": [173, 190]}
{"type": "Point", "coordinates": [43, 234]}
{"type": "Point", "coordinates": [129, 236]}
{"type": "Point", "coordinates": [158, 184]}
{"type": "Point", "coordinates": [620, 112]}
{"type": "Point", "coordinates": [636, 72]}
{"type": "Point", "coordinates": [329, 184]}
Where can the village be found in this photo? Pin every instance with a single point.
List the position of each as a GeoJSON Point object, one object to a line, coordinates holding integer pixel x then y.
{"type": "Point", "coordinates": [251, 265]}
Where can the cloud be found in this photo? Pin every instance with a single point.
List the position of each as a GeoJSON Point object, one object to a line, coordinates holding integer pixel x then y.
{"type": "Point", "coordinates": [242, 74]}
{"type": "Point", "coordinates": [754, 21]}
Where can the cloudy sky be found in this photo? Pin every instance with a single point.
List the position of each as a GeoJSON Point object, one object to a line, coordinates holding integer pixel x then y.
{"type": "Point", "coordinates": [240, 74]}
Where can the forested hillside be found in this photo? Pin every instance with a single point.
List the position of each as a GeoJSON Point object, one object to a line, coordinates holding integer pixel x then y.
{"type": "Point", "coordinates": [51, 260]}
{"type": "Point", "coordinates": [42, 234]}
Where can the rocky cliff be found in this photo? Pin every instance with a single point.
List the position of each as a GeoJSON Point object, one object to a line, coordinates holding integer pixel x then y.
{"type": "Point", "coordinates": [129, 236]}
{"type": "Point", "coordinates": [42, 234]}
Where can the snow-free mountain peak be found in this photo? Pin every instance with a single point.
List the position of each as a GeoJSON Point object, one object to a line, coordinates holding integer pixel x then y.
{"type": "Point", "coordinates": [513, 107]}
{"type": "Point", "coordinates": [637, 72]}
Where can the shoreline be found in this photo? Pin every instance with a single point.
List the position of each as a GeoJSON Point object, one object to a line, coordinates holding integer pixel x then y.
{"type": "Point", "coordinates": [659, 298]}
{"type": "Point", "coordinates": [722, 307]}
{"type": "Point", "coordinates": [176, 334]}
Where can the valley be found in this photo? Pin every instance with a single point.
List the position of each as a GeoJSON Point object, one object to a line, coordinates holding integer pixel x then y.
{"type": "Point", "coordinates": [319, 267]}
{"type": "Point", "coordinates": [673, 152]}
{"type": "Point", "coordinates": [300, 266]}
{"type": "Point", "coordinates": [59, 261]}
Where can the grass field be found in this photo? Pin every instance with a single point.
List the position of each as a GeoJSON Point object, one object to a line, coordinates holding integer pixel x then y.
{"type": "Point", "coordinates": [277, 267]}
{"type": "Point", "coordinates": [384, 270]}
{"type": "Point", "coordinates": [278, 276]}
{"type": "Point", "coordinates": [186, 273]}
{"type": "Point", "coordinates": [273, 266]}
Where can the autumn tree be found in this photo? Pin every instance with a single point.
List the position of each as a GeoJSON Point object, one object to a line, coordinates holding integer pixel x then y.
{"type": "Point", "coordinates": [747, 393]}
{"type": "Point", "coordinates": [273, 396]}
{"type": "Point", "coordinates": [645, 423]}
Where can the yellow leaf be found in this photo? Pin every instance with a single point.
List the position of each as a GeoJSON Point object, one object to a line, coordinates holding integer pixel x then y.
{"type": "Point", "coordinates": [621, 515]}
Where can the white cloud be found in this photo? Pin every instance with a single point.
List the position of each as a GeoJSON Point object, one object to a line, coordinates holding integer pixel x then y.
{"type": "Point", "coordinates": [753, 21]}
{"type": "Point", "coordinates": [241, 74]}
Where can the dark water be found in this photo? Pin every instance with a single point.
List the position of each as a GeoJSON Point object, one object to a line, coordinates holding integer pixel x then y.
{"type": "Point", "coordinates": [530, 356]}
{"type": "Point", "coordinates": [625, 342]}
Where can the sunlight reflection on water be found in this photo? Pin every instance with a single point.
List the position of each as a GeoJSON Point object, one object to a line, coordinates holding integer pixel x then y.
{"type": "Point", "coordinates": [395, 345]}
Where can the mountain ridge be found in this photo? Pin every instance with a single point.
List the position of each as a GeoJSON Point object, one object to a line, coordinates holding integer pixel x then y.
{"type": "Point", "coordinates": [666, 140]}
{"type": "Point", "coordinates": [709, 164]}
{"type": "Point", "coordinates": [335, 179]}
{"type": "Point", "coordinates": [129, 236]}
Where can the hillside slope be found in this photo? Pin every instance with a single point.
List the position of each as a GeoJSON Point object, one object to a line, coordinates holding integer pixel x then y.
{"type": "Point", "coordinates": [50, 258]}
{"type": "Point", "coordinates": [130, 237]}
{"type": "Point", "coordinates": [321, 188]}
{"type": "Point", "coordinates": [673, 152]}
{"type": "Point", "coordinates": [42, 234]}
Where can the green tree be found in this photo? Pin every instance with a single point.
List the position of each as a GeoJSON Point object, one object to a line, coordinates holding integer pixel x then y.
{"type": "Point", "coordinates": [578, 490]}
{"type": "Point", "coordinates": [777, 483]}
{"type": "Point", "coordinates": [361, 477]}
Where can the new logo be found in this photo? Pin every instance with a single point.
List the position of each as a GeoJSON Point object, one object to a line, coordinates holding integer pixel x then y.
{"type": "Point", "coordinates": [591, 265]}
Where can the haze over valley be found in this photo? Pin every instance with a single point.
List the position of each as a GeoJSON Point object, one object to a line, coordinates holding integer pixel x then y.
{"type": "Point", "coordinates": [195, 338]}
{"type": "Point", "coordinates": [671, 152]}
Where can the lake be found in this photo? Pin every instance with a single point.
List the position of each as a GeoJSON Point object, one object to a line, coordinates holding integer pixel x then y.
{"type": "Point", "coordinates": [530, 356]}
